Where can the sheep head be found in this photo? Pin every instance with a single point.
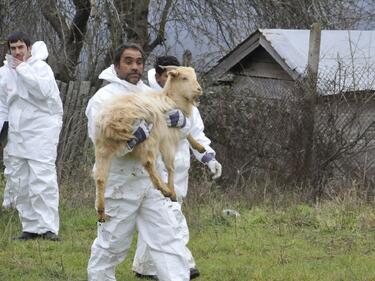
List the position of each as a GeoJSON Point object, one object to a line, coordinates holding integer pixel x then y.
{"type": "Point", "coordinates": [183, 88]}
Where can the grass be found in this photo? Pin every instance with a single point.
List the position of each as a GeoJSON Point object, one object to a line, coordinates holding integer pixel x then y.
{"type": "Point", "coordinates": [327, 241]}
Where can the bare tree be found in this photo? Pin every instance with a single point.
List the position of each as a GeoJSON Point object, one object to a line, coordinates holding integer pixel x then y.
{"type": "Point", "coordinates": [129, 21]}
{"type": "Point", "coordinates": [3, 11]}
{"type": "Point", "coordinates": [70, 32]}
{"type": "Point", "coordinates": [82, 45]}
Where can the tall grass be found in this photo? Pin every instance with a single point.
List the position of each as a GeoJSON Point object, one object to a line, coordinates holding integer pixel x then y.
{"type": "Point", "coordinates": [280, 235]}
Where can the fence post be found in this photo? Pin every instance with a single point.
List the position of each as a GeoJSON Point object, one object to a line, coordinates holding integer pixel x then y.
{"type": "Point", "coordinates": [310, 102]}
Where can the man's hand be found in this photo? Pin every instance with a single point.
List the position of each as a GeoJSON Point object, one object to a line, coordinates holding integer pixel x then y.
{"type": "Point", "coordinates": [12, 61]}
{"type": "Point", "coordinates": [141, 131]}
{"type": "Point", "coordinates": [175, 118]}
{"type": "Point", "coordinates": [15, 63]}
{"type": "Point", "coordinates": [213, 165]}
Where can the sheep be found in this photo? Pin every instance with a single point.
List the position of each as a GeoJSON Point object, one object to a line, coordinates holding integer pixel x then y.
{"type": "Point", "coordinates": [114, 127]}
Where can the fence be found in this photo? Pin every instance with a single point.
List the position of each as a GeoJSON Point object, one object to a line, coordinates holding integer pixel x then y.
{"type": "Point", "coordinates": [257, 127]}
{"type": "Point", "coordinates": [257, 131]}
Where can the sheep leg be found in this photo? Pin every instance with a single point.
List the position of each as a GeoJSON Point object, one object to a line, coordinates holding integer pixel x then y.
{"type": "Point", "coordinates": [102, 163]}
{"type": "Point", "coordinates": [100, 184]}
{"type": "Point", "coordinates": [195, 145]}
{"type": "Point", "coordinates": [156, 179]}
{"type": "Point", "coordinates": [171, 184]}
{"type": "Point", "coordinates": [168, 156]}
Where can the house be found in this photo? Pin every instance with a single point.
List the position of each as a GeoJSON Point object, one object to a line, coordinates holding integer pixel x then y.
{"type": "Point", "coordinates": [266, 66]}
{"type": "Point", "coordinates": [273, 59]}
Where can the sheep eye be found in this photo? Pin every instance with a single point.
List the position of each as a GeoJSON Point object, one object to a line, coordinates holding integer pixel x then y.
{"type": "Point", "coordinates": [184, 78]}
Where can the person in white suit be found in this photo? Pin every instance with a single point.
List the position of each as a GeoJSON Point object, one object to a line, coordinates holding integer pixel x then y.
{"type": "Point", "coordinates": [30, 102]}
{"type": "Point", "coordinates": [130, 198]}
{"type": "Point", "coordinates": [143, 265]}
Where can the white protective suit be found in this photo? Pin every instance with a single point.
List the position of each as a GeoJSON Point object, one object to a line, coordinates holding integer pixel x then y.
{"type": "Point", "coordinates": [142, 260]}
{"type": "Point", "coordinates": [132, 202]}
{"type": "Point", "coordinates": [30, 101]}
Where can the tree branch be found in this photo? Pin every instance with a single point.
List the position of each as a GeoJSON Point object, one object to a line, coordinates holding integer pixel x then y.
{"type": "Point", "coordinates": [53, 16]}
{"type": "Point", "coordinates": [161, 32]}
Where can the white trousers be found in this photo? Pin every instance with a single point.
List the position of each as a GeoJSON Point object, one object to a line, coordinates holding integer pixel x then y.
{"type": "Point", "coordinates": [143, 262]}
{"type": "Point", "coordinates": [31, 187]}
{"type": "Point", "coordinates": [147, 210]}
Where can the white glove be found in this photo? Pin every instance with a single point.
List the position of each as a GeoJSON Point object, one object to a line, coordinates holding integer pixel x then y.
{"type": "Point", "coordinates": [215, 168]}
{"type": "Point", "coordinates": [213, 165]}
{"type": "Point", "coordinates": [175, 118]}
{"type": "Point", "coordinates": [141, 131]}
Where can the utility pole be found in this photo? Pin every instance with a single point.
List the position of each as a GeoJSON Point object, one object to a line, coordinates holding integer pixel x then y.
{"type": "Point", "coordinates": [310, 99]}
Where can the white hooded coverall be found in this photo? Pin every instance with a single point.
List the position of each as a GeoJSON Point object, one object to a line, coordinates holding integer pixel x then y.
{"type": "Point", "coordinates": [143, 263]}
{"type": "Point", "coordinates": [132, 202]}
{"type": "Point", "coordinates": [30, 101]}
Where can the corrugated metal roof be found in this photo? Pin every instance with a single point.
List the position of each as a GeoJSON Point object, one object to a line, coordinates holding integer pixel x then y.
{"type": "Point", "coordinates": [347, 57]}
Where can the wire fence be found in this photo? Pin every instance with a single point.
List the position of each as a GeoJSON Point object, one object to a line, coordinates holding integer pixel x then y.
{"type": "Point", "coordinates": [259, 128]}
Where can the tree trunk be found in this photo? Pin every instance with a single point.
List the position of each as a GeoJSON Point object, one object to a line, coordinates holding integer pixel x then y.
{"type": "Point", "coordinates": [71, 35]}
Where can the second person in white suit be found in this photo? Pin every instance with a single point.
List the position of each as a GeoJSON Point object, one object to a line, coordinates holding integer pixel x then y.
{"type": "Point", "coordinates": [143, 264]}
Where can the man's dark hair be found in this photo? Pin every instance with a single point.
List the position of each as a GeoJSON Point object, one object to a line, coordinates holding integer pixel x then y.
{"type": "Point", "coordinates": [19, 36]}
{"type": "Point", "coordinates": [122, 48]}
{"type": "Point", "coordinates": [164, 61]}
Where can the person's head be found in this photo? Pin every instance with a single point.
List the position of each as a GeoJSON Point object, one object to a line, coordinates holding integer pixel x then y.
{"type": "Point", "coordinates": [19, 45]}
{"type": "Point", "coordinates": [160, 73]}
{"type": "Point", "coordinates": [129, 62]}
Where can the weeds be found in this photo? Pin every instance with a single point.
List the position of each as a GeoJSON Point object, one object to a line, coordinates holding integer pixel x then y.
{"type": "Point", "coordinates": [279, 235]}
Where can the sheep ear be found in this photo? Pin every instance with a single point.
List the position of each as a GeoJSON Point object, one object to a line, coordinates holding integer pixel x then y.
{"type": "Point", "coordinates": [173, 73]}
{"type": "Point", "coordinates": [168, 67]}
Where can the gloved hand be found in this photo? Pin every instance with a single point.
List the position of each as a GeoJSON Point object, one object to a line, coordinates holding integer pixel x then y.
{"type": "Point", "coordinates": [175, 118]}
{"type": "Point", "coordinates": [141, 131]}
{"type": "Point", "coordinates": [213, 165]}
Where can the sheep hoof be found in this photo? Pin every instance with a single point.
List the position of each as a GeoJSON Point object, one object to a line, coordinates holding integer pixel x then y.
{"type": "Point", "coordinates": [101, 216]}
{"type": "Point", "coordinates": [173, 197]}
{"type": "Point", "coordinates": [166, 192]}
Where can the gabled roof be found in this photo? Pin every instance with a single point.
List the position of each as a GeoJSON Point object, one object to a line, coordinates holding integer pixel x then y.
{"type": "Point", "coordinates": [342, 52]}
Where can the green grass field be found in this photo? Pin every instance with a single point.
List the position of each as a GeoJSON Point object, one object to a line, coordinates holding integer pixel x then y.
{"type": "Point", "coordinates": [329, 241]}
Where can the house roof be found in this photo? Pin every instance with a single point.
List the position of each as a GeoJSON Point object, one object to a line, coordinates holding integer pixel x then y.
{"type": "Point", "coordinates": [345, 55]}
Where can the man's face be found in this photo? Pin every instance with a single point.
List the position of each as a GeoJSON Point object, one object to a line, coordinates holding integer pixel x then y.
{"type": "Point", "coordinates": [131, 66]}
{"type": "Point", "coordinates": [161, 78]}
{"type": "Point", "coordinates": [20, 51]}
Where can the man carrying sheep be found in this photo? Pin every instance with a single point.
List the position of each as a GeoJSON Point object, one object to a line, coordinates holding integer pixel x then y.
{"type": "Point", "coordinates": [130, 199]}
{"type": "Point", "coordinates": [143, 265]}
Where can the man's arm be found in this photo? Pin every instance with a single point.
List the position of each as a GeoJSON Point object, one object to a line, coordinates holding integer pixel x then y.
{"type": "Point", "coordinates": [38, 78]}
{"type": "Point", "coordinates": [141, 129]}
{"type": "Point", "coordinates": [91, 112]}
{"type": "Point", "coordinates": [3, 105]}
{"type": "Point", "coordinates": [207, 158]}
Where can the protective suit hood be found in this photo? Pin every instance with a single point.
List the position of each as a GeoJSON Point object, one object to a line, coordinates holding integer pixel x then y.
{"type": "Point", "coordinates": [109, 74]}
{"type": "Point", "coordinates": [152, 80]}
{"type": "Point", "coordinates": [39, 51]}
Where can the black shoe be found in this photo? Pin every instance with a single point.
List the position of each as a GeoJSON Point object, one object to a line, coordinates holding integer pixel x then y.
{"type": "Point", "coordinates": [26, 236]}
{"type": "Point", "coordinates": [194, 273]}
{"type": "Point", "coordinates": [149, 277]}
{"type": "Point", "coordinates": [50, 236]}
